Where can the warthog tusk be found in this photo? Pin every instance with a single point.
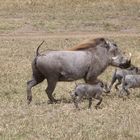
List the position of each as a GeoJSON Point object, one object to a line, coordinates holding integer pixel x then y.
{"type": "Point", "coordinates": [130, 55]}
{"type": "Point", "coordinates": [114, 58]}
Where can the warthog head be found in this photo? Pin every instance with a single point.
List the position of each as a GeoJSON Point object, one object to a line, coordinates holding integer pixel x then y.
{"type": "Point", "coordinates": [116, 57]}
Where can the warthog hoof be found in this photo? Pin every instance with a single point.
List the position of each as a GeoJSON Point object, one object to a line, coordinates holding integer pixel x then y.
{"type": "Point", "coordinates": [124, 98]}
{"type": "Point", "coordinates": [29, 99]}
{"type": "Point", "coordinates": [97, 107]}
{"type": "Point", "coordinates": [52, 102]}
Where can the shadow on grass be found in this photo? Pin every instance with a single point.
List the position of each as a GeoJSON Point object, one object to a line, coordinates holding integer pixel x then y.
{"type": "Point", "coordinates": [59, 101]}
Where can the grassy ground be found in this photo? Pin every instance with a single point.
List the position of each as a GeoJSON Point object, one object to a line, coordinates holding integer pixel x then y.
{"type": "Point", "coordinates": [75, 15]}
{"type": "Point", "coordinates": [116, 120]}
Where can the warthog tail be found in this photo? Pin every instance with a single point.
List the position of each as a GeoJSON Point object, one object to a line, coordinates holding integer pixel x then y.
{"type": "Point", "coordinates": [37, 50]}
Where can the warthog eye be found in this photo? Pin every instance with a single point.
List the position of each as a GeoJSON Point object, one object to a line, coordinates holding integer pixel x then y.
{"type": "Point", "coordinates": [114, 51]}
{"type": "Point", "coordinates": [115, 44]}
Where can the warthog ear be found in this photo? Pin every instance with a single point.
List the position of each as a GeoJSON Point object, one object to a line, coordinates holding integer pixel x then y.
{"type": "Point", "coordinates": [109, 45]}
{"type": "Point", "coordinates": [106, 45]}
{"type": "Point", "coordinates": [100, 41]}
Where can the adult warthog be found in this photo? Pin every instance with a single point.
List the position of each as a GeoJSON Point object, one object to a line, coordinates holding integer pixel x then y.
{"type": "Point", "coordinates": [84, 61]}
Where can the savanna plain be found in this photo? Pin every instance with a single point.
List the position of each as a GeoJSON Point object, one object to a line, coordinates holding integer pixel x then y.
{"type": "Point", "coordinates": [63, 24]}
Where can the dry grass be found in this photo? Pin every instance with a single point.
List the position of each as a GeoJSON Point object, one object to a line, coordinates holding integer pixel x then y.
{"type": "Point", "coordinates": [64, 15]}
{"type": "Point", "coordinates": [117, 120]}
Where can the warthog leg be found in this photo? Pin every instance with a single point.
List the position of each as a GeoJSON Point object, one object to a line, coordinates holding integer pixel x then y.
{"type": "Point", "coordinates": [90, 103]}
{"type": "Point", "coordinates": [76, 101]}
{"type": "Point", "coordinates": [49, 90]}
{"type": "Point", "coordinates": [35, 80]}
{"type": "Point", "coordinates": [30, 84]}
{"type": "Point", "coordinates": [117, 84]}
{"type": "Point", "coordinates": [127, 91]}
{"type": "Point", "coordinates": [112, 82]}
{"type": "Point", "coordinates": [100, 101]}
{"type": "Point", "coordinates": [92, 81]}
{"type": "Point", "coordinates": [121, 93]}
{"type": "Point", "coordinates": [124, 92]}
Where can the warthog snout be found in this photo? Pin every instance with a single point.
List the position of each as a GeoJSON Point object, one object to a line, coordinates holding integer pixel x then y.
{"type": "Point", "coordinates": [121, 61]}
{"type": "Point", "coordinates": [125, 65]}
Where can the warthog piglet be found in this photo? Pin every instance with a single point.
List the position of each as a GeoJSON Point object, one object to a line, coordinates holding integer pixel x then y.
{"type": "Point", "coordinates": [130, 81]}
{"type": "Point", "coordinates": [88, 91]}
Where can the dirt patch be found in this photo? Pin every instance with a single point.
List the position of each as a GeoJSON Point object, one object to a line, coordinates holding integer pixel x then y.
{"type": "Point", "coordinates": [29, 32]}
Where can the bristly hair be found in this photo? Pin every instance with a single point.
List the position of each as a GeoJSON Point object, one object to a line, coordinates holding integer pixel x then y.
{"type": "Point", "coordinates": [90, 43]}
